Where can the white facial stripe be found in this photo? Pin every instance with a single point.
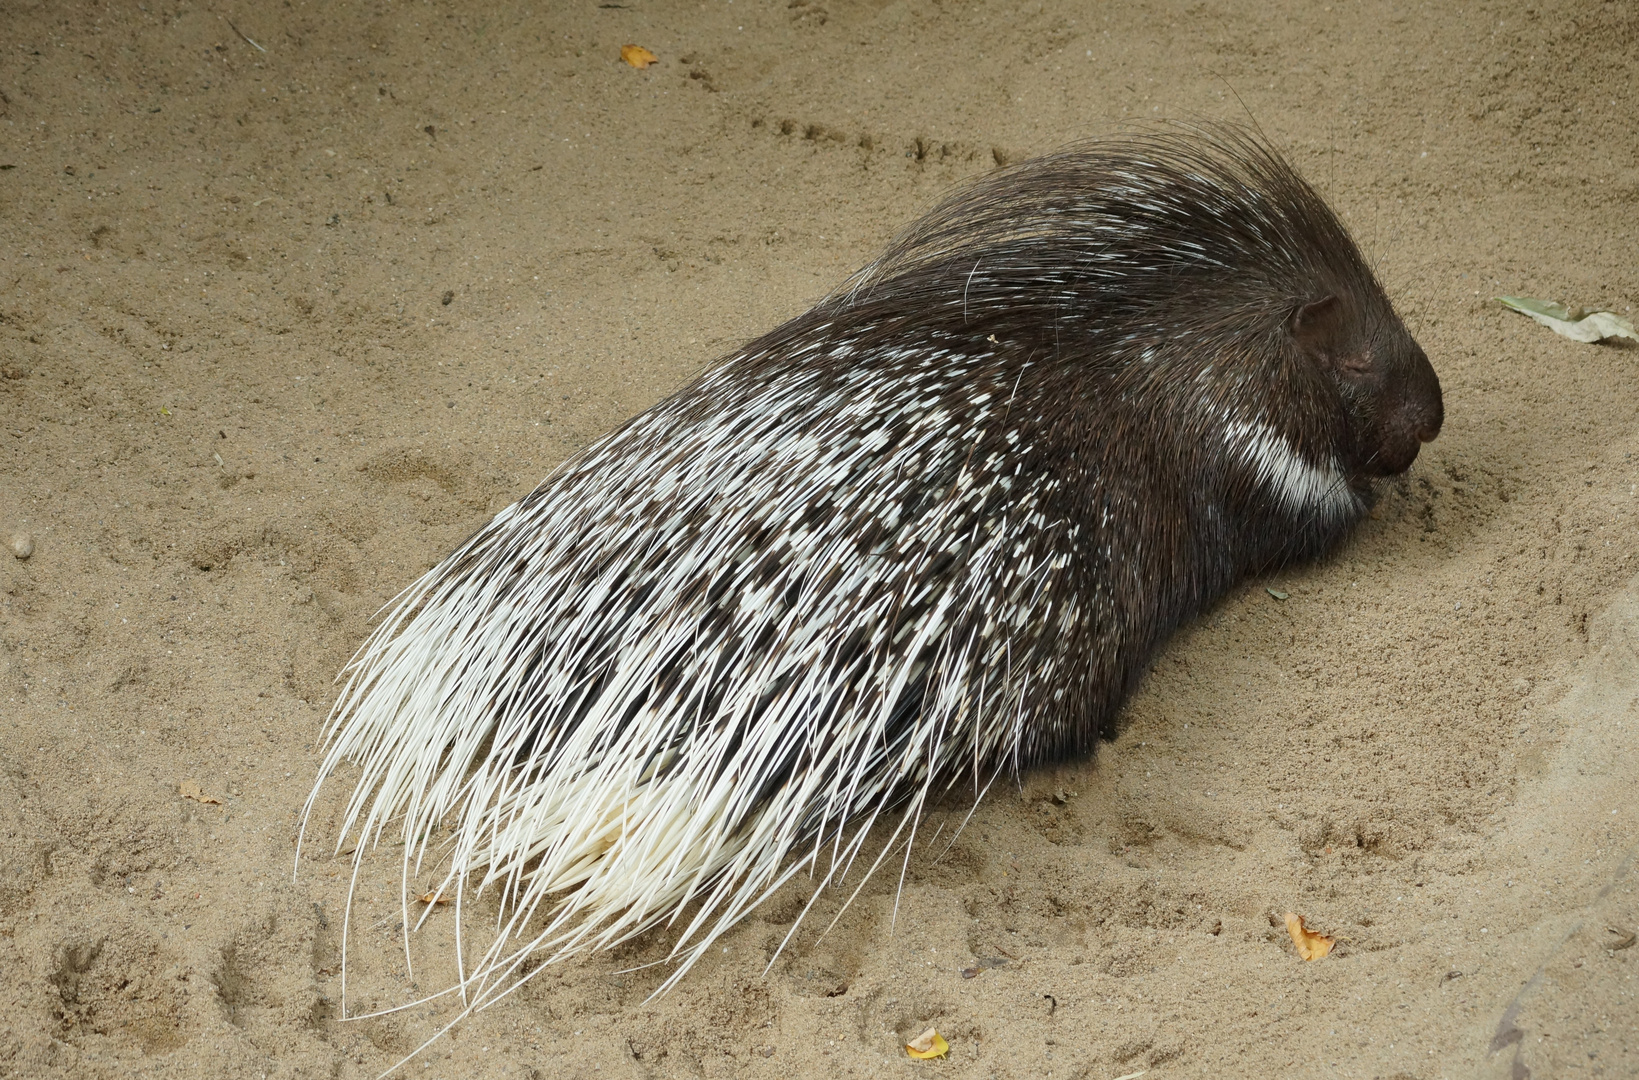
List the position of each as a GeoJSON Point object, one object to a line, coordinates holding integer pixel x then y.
{"type": "Point", "coordinates": [1301, 487]}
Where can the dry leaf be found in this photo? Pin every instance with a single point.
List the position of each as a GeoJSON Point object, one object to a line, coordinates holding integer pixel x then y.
{"type": "Point", "coordinates": [929, 1044]}
{"type": "Point", "coordinates": [1310, 945]}
{"type": "Point", "coordinates": [1578, 324]}
{"type": "Point", "coordinates": [432, 897]}
{"type": "Point", "coordinates": [980, 964]}
{"type": "Point", "coordinates": [637, 56]}
{"type": "Point", "coordinates": [190, 790]}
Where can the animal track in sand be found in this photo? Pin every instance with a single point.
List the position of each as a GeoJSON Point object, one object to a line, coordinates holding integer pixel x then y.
{"type": "Point", "coordinates": [117, 986]}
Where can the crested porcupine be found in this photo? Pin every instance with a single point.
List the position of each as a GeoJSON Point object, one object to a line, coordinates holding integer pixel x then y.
{"type": "Point", "coordinates": [926, 533]}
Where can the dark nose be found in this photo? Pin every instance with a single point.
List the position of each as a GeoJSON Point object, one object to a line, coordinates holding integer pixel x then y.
{"type": "Point", "coordinates": [1414, 418]}
{"type": "Point", "coordinates": [1430, 402]}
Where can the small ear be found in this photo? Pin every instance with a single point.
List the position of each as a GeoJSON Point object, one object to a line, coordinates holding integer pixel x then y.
{"type": "Point", "coordinates": [1318, 327]}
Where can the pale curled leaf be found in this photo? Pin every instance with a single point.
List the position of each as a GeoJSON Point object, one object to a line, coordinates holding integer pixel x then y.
{"type": "Point", "coordinates": [1525, 305]}
{"type": "Point", "coordinates": [1574, 323]}
{"type": "Point", "coordinates": [190, 790]}
{"type": "Point", "coordinates": [929, 1044]}
{"type": "Point", "coordinates": [1310, 945]}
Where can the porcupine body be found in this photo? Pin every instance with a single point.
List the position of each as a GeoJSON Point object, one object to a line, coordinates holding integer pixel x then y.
{"type": "Point", "coordinates": [925, 534]}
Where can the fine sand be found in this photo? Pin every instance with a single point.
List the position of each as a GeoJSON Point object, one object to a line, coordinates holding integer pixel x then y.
{"type": "Point", "coordinates": [282, 323]}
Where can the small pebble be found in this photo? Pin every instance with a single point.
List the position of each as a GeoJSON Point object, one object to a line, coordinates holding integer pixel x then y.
{"type": "Point", "coordinates": [21, 544]}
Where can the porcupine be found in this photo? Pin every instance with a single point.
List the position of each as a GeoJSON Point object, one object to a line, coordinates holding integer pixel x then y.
{"type": "Point", "coordinates": [928, 532]}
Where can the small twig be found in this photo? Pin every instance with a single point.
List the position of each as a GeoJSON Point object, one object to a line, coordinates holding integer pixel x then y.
{"type": "Point", "coordinates": [242, 34]}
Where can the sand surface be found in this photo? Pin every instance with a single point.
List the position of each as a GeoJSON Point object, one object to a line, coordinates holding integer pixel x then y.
{"type": "Point", "coordinates": [280, 325]}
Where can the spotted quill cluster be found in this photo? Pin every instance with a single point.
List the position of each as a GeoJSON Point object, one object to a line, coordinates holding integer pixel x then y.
{"type": "Point", "coordinates": [917, 538]}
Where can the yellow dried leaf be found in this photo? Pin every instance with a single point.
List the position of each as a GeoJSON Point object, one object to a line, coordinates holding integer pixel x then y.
{"type": "Point", "coordinates": [1310, 945]}
{"type": "Point", "coordinates": [637, 56]}
{"type": "Point", "coordinates": [929, 1044]}
{"type": "Point", "coordinates": [190, 790]}
{"type": "Point", "coordinates": [433, 897]}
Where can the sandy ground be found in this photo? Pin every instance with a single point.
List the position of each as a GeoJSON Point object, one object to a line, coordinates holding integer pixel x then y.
{"type": "Point", "coordinates": [279, 325]}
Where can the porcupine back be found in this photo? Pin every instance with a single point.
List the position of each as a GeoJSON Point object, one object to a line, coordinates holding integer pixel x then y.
{"type": "Point", "coordinates": [927, 533]}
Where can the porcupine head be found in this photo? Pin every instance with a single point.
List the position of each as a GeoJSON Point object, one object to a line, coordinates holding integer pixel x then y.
{"type": "Point", "coordinates": [1197, 355]}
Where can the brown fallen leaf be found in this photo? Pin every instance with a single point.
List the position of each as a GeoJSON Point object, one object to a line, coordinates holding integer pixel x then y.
{"type": "Point", "coordinates": [190, 790]}
{"type": "Point", "coordinates": [980, 964]}
{"type": "Point", "coordinates": [929, 1044]}
{"type": "Point", "coordinates": [637, 56]}
{"type": "Point", "coordinates": [431, 897]}
{"type": "Point", "coordinates": [1310, 945]}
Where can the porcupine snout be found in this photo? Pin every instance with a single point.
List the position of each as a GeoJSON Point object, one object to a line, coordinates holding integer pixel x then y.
{"type": "Point", "coordinates": [1412, 410]}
